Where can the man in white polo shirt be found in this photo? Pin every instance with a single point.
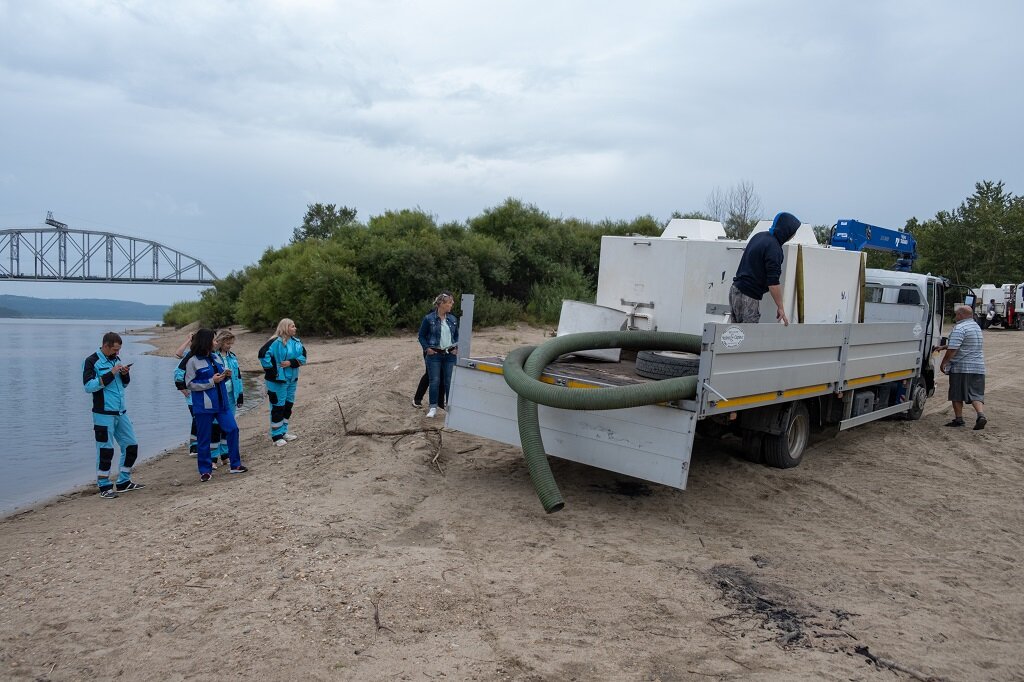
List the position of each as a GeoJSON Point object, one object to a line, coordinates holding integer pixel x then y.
{"type": "Point", "coordinates": [964, 362]}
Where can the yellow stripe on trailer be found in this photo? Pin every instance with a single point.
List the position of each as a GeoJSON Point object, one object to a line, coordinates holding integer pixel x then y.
{"type": "Point", "coordinates": [774, 395]}
{"type": "Point", "coordinates": [875, 378]}
{"type": "Point", "coordinates": [569, 383]}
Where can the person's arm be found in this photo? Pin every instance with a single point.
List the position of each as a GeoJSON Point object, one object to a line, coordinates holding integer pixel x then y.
{"type": "Point", "coordinates": [191, 368]}
{"type": "Point", "coordinates": [267, 360]}
{"type": "Point", "coordinates": [946, 359]}
{"type": "Point", "coordinates": [300, 356]}
{"type": "Point", "coordinates": [180, 353]}
{"type": "Point", "coordinates": [956, 338]}
{"type": "Point", "coordinates": [422, 337]}
{"type": "Point", "coordinates": [92, 381]}
{"type": "Point", "coordinates": [776, 291]}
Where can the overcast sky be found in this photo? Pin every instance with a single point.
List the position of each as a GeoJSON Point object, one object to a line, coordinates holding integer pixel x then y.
{"type": "Point", "coordinates": [209, 126]}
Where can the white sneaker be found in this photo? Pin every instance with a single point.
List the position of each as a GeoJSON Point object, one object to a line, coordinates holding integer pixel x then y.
{"type": "Point", "coordinates": [281, 442]}
{"type": "Point", "coordinates": [290, 436]}
{"type": "Point", "coordinates": [432, 412]}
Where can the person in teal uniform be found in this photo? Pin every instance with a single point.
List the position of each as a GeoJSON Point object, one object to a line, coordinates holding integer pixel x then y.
{"type": "Point", "coordinates": [281, 357]}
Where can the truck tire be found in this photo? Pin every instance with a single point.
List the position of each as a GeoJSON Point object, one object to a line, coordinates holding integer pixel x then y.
{"type": "Point", "coordinates": [918, 398]}
{"type": "Point", "coordinates": [786, 450]}
{"type": "Point", "coordinates": [1020, 322]}
{"type": "Point", "coordinates": [752, 448]}
{"type": "Point", "coordinates": [666, 364]}
{"type": "Point", "coordinates": [984, 322]}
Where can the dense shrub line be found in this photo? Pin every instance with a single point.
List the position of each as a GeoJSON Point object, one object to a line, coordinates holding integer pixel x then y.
{"type": "Point", "coordinates": [339, 276]}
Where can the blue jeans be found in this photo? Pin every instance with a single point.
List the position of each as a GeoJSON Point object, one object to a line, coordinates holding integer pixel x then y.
{"type": "Point", "coordinates": [439, 369]}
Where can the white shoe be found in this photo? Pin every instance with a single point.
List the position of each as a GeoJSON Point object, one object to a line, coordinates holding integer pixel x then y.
{"type": "Point", "coordinates": [290, 436]}
{"type": "Point", "coordinates": [281, 442]}
{"type": "Point", "coordinates": [432, 412]}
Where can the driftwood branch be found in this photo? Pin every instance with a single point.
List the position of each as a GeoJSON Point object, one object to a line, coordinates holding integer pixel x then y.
{"type": "Point", "coordinates": [893, 665]}
{"type": "Point", "coordinates": [376, 618]}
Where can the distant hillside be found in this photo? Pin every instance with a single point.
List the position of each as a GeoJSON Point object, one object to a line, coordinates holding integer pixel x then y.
{"type": "Point", "coordinates": [78, 308]}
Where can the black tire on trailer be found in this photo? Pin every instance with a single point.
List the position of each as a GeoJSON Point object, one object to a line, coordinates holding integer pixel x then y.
{"type": "Point", "coordinates": [752, 448]}
{"type": "Point", "coordinates": [984, 323]}
{"type": "Point", "coordinates": [918, 399]}
{"type": "Point", "coordinates": [786, 450]}
{"type": "Point", "coordinates": [666, 364]}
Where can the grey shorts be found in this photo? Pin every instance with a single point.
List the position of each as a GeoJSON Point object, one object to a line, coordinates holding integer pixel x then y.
{"type": "Point", "coordinates": [966, 388]}
{"type": "Point", "coordinates": [744, 308]}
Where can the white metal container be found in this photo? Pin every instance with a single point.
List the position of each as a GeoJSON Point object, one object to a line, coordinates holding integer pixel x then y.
{"type": "Point", "coordinates": [678, 285]}
{"type": "Point", "coordinates": [667, 284]}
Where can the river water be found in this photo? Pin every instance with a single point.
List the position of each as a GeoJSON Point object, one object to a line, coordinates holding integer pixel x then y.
{"type": "Point", "coordinates": [45, 415]}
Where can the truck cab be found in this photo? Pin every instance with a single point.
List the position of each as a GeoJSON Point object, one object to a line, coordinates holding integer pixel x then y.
{"type": "Point", "coordinates": [893, 296]}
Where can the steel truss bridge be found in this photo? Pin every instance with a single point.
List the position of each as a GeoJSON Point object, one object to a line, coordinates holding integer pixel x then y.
{"type": "Point", "coordinates": [60, 254]}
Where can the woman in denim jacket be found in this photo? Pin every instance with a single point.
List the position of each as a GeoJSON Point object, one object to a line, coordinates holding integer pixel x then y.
{"type": "Point", "coordinates": [439, 338]}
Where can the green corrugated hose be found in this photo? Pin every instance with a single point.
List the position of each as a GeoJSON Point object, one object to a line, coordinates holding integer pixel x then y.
{"type": "Point", "coordinates": [522, 370]}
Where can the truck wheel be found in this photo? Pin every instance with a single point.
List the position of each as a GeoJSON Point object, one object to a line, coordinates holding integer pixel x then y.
{"type": "Point", "coordinates": [751, 449]}
{"type": "Point", "coordinates": [785, 450]}
{"type": "Point", "coordinates": [984, 323]}
{"type": "Point", "coordinates": [916, 411]}
{"type": "Point", "coordinates": [1020, 322]}
{"type": "Point", "coordinates": [666, 364]}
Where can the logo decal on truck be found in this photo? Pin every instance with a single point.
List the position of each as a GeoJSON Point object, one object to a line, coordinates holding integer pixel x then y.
{"type": "Point", "coordinates": [732, 337]}
{"type": "Point", "coordinates": [918, 329]}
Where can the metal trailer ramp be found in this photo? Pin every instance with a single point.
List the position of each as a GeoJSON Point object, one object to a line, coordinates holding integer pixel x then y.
{"type": "Point", "coordinates": [652, 442]}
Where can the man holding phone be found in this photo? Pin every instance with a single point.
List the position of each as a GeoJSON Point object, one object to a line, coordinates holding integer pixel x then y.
{"type": "Point", "coordinates": [105, 378]}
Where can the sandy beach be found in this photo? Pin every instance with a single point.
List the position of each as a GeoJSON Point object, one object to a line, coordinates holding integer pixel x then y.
{"type": "Point", "coordinates": [413, 552]}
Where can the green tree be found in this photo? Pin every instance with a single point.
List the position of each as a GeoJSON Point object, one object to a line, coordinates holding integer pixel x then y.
{"type": "Point", "coordinates": [979, 241]}
{"type": "Point", "coordinates": [692, 215]}
{"type": "Point", "coordinates": [323, 221]}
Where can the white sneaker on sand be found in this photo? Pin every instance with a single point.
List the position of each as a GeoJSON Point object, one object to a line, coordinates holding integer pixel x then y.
{"type": "Point", "coordinates": [290, 436]}
{"type": "Point", "coordinates": [281, 442]}
{"type": "Point", "coordinates": [432, 412]}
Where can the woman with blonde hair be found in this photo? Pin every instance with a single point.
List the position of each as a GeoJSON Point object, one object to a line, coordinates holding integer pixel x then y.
{"type": "Point", "coordinates": [439, 338]}
{"type": "Point", "coordinates": [281, 356]}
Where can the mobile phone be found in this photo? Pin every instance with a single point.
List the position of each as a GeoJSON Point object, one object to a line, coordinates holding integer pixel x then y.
{"type": "Point", "coordinates": [129, 365]}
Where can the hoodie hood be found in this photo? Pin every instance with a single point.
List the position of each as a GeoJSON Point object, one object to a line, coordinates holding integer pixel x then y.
{"type": "Point", "coordinates": [784, 226]}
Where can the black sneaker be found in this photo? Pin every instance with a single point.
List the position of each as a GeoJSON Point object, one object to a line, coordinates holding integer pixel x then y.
{"type": "Point", "coordinates": [240, 469]}
{"type": "Point", "coordinates": [980, 424]}
{"type": "Point", "coordinates": [955, 423]}
{"type": "Point", "coordinates": [417, 403]}
{"type": "Point", "coordinates": [129, 485]}
{"type": "Point", "coordinates": [108, 494]}
{"type": "Point", "coordinates": [203, 478]}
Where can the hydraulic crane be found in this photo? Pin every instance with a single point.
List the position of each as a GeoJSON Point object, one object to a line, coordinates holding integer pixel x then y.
{"type": "Point", "coordinates": [854, 235]}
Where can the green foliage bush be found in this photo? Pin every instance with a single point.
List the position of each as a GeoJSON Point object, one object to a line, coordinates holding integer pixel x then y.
{"type": "Point", "coordinates": [339, 276]}
{"type": "Point", "coordinates": [489, 311]}
{"type": "Point", "coordinates": [182, 313]}
{"type": "Point", "coordinates": [545, 298]}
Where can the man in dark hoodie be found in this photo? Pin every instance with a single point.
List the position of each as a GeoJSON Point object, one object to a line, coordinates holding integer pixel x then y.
{"type": "Point", "coordinates": [760, 269]}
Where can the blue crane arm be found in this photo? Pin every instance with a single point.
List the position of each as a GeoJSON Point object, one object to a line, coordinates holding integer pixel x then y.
{"type": "Point", "coordinates": [854, 235]}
